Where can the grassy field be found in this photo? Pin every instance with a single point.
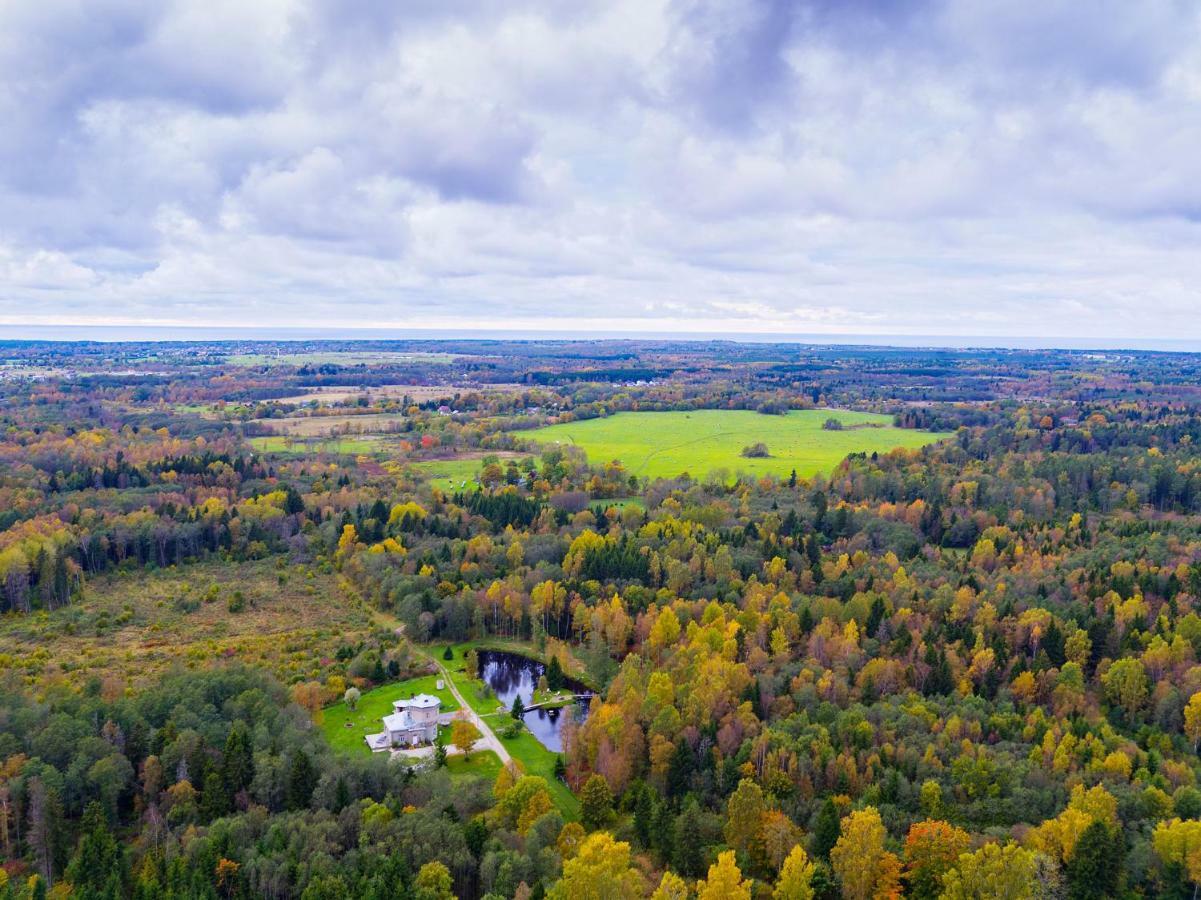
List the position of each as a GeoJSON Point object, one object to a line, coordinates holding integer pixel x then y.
{"type": "Point", "coordinates": [342, 426]}
{"type": "Point", "coordinates": [358, 444]}
{"type": "Point", "coordinates": [132, 627]}
{"type": "Point", "coordinates": [450, 475]}
{"type": "Point", "coordinates": [345, 729]}
{"type": "Point", "coordinates": [666, 444]}
{"type": "Point", "coordinates": [460, 473]}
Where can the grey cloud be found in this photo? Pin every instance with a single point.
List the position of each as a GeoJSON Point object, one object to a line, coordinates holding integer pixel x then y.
{"type": "Point", "coordinates": [756, 163]}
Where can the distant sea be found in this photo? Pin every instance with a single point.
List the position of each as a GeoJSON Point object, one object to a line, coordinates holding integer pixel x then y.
{"type": "Point", "coordinates": [116, 333]}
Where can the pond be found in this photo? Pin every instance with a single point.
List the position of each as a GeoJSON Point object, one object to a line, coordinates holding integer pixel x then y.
{"type": "Point", "coordinates": [510, 675]}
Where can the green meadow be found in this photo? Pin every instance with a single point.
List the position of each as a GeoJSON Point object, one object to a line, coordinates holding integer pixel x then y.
{"type": "Point", "coordinates": [451, 475]}
{"type": "Point", "coordinates": [667, 444]}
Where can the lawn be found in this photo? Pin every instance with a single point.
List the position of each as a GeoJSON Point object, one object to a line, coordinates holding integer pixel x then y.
{"type": "Point", "coordinates": [666, 444]}
{"type": "Point", "coordinates": [525, 748]}
{"type": "Point", "coordinates": [537, 760]}
{"type": "Point", "coordinates": [345, 729]}
{"type": "Point", "coordinates": [481, 764]}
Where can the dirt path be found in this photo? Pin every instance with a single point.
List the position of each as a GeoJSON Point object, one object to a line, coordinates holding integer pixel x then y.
{"type": "Point", "coordinates": [488, 737]}
{"type": "Point", "coordinates": [489, 740]}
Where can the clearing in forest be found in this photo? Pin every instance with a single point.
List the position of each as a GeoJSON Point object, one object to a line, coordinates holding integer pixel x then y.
{"type": "Point", "coordinates": [666, 444]}
{"type": "Point", "coordinates": [135, 625]}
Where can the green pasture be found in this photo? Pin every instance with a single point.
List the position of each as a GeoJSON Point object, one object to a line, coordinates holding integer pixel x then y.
{"type": "Point", "coordinates": [667, 444]}
{"type": "Point", "coordinates": [450, 474]}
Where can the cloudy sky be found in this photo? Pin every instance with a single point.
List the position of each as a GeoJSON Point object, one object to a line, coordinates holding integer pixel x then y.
{"type": "Point", "coordinates": [983, 167]}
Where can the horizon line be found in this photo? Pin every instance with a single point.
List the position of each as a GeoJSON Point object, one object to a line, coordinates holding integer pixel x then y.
{"type": "Point", "coordinates": [192, 333]}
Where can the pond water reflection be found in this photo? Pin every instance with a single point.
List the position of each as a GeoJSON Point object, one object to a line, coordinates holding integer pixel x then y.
{"type": "Point", "coordinates": [510, 675]}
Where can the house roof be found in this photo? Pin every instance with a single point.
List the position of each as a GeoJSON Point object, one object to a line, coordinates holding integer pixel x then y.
{"type": "Point", "coordinates": [399, 721]}
{"type": "Point", "coordinates": [419, 701]}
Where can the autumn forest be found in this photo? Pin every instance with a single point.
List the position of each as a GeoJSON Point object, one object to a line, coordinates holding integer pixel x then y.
{"type": "Point", "coordinates": [937, 635]}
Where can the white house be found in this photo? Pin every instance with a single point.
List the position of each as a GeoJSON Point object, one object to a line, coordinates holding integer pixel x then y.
{"type": "Point", "coordinates": [413, 721]}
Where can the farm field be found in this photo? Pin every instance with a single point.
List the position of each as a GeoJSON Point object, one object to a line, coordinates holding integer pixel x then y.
{"type": "Point", "coordinates": [133, 630]}
{"type": "Point", "coordinates": [450, 475]}
{"type": "Point", "coordinates": [345, 729]}
{"type": "Point", "coordinates": [460, 473]}
{"type": "Point", "coordinates": [667, 444]}
{"type": "Point", "coordinates": [324, 426]}
{"type": "Point", "coordinates": [336, 358]}
{"type": "Point", "coordinates": [419, 393]}
{"type": "Point", "coordinates": [357, 444]}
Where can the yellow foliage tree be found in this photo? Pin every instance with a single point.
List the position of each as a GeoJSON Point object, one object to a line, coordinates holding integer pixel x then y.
{"type": "Point", "coordinates": [992, 873]}
{"type": "Point", "coordinates": [724, 881]}
{"type": "Point", "coordinates": [600, 870]}
{"type": "Point", "coordinates": [672, 887]}
{"type": "Point", "coordinates": [1192, 720]}
{"type": "Point", "coordinates": [1179, 842]}
{"type": "Point", "coordinates": [864, 868]}
{"type": "Point", "coordinates": [796, 877]}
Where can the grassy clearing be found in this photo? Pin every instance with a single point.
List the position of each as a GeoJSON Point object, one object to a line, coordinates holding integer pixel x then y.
{"type": "Point", "coordinates": [462, 472]}
{"type": "Point", "coordinates": [622, 504]}
{"type": "Point", "coordinates": [345, 729]}
{"type": "Point", "coordinates": [134, 626]}
{"type": "Point", "coordinates": [481, 764]}
{"type": "Point", "coordinates": [666, 444]}
{"type": "Point", "coordinates": [450, 475]}
{"type": "Point", "coordinates": [359, 444]}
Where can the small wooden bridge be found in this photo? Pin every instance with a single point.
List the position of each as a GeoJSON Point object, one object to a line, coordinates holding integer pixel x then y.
{"type": "Point", "coordinates": [562, 699]}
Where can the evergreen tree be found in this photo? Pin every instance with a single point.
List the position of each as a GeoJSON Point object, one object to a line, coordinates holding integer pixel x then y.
{"type": "Point", "coordinates": [302, 779]}
{"type": "Point", "coordinates": [237, 765]}
{"type": "Point", "coordinates": [688, 850]}
{"type": "Point", "coordinates": [215, 800]}
{"type": "Point", "coordinates": [554, 674]}
{"type": "Point", "coordinates": [826, 829]}
{"type": "Point", "coordinates": [1095, 869]}
{"type": "Point", "coordinates": [99, 870]}
{"type": "Point", "coordinates": [596, 802]}
{"type": "Point", "coordinates": [645, 808]}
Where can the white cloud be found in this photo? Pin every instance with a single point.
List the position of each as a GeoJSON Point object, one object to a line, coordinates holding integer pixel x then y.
{"type": "Point", "coordinates": [745, 165]}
